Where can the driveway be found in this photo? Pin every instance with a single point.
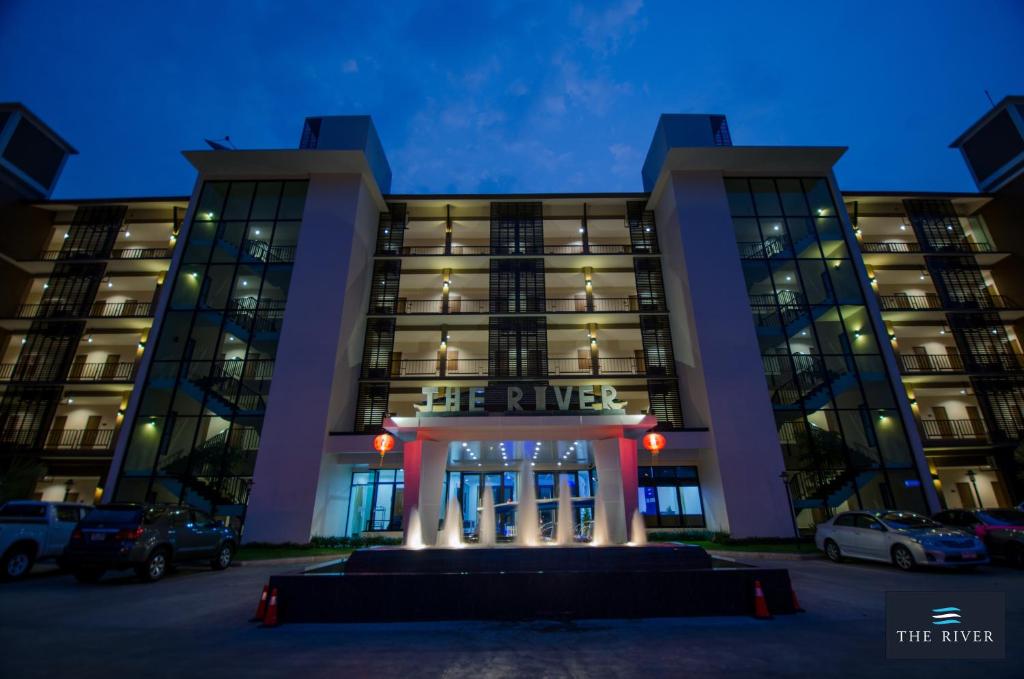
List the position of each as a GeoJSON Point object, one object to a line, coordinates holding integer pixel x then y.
{"type": "Point", "coordinates": [194, 624]}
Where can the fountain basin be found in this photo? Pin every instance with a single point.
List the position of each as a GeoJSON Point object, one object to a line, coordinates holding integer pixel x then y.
{"type": "Point", "coordinates": [516, 583]}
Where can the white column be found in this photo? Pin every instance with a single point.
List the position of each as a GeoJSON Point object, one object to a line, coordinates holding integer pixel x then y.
{"type": "Point", "coordinates": [332, 495]}
{"type": "Point", "coordinates": [318, 356]}
{"type": "Point", "coordinates": [433, 461]}
{"type": "Point", "coordinates": [610, 496]}
{"type": "Point", "coordinates": [722, 379]}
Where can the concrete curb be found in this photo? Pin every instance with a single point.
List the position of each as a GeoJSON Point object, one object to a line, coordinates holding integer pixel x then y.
{"type": "Point", "coordinates": [734, 555]}
{"type": "Point", "coordinates": [290, 560]}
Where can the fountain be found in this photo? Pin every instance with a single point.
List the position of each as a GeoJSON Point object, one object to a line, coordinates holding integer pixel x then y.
{"type": "Point", "coordinates": [638, 530]}
{"type": "Point", "coordinates": [566, 525]}
{"type": "Point", "coordinates": [414, 532]}
{"type": "Point", "coordinates": [599, 529]}
{"type": "Point", "coordinates": [521, 581]}
{"type": "Point", "coordinates": [485, 526]}
{"type": "Point", "coordinates": [451, 534]}
{"type": "Point", "coordinates": [527, 520]}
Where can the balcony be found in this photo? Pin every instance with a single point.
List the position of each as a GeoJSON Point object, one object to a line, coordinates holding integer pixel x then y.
{"type": "Point", "coordinates": [954, 363]}
{"type": "Point", "coordinates": [61, 439]}
{"type": "Point", "coordinates": [483, 306]}
{"type": "Point", "coordinates": [899, 247]}
{"type": "Point", "coordinates": [556, 367]}
{"type": "Point", "coordinates": [547, 249]}
{"type": "Point", "coordinates": [932, 302]}
{"type": "Point", "coordinates": [954, 430]}
{"type": "Point", "coordinates": [83, 372]}
{"type": "Point", "coordinates": [98, 310]}
{"type": "Point", "coordinates": [117, 253]}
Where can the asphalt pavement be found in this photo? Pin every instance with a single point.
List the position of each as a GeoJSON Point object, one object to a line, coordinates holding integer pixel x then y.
{"type": "Point", "coordinates": [195, 624]}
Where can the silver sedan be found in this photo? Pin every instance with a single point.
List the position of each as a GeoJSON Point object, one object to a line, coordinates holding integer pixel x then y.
{"type": "Point", "coordinates": [904, 539]}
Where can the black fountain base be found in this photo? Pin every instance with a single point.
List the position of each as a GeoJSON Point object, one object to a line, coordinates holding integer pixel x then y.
{"type": "Point", "coordinates": [390, 584]}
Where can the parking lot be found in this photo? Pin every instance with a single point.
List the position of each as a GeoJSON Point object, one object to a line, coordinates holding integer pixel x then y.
{"type": "Point", "coordinates": [194, 623]}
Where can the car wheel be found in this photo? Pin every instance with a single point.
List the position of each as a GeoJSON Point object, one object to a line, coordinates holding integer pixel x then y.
{"type": "Point", "coordinates": [902, 558]}
{"type": "Point", "coordinates": [832, 551]}
{"type": "Point", "coordinates": [155, 567]}
{"type": "Point", "coordinates": [88, 575]}
{"type": "Point", "coordinates": [223, 558]}
{"type": "Point", "coordinates": [17, 563]}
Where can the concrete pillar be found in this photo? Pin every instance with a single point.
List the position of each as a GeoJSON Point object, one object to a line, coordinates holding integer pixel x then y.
{"type": "Point", "coordinates": [722, 379]}
{"type": "Point", "coordinates": [317, 357]}
{"type": "Point", "coordinates": [330, 513]}
{"type": "Point", "coordinates": [608, 461]}
{"type": "Point", "coordinates": [424, 465]}
{"type": "Point", "coordinates": [627, 463]}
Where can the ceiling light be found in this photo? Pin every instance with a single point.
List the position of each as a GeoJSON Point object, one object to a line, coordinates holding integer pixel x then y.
{"type": "Point", "coordinates": [257, 232]}
{"type": "Point", "coordinates": [127, 234]}
{"type": "Point", "coordinates": [903, 227]}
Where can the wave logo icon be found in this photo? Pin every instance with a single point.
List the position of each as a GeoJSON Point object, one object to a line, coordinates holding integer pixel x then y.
{"type": "Point", "coordinates": [949, 615]}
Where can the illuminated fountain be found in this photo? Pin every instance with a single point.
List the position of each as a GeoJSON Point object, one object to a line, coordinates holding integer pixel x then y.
{"type": "Point", "coordinates": [434, 575]}
{"type": "Point", "coordinates": [414, 531]}
{"type": "Point", "coordinates": [527, 519]}
{"type": "Point", "coordinates": [638, 530]}
{"type": "Point", "coordinates": [451, 534]}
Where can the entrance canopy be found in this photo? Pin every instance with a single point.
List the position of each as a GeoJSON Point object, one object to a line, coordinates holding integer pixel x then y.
{"type": "Point", "coordinates": [539, 427]}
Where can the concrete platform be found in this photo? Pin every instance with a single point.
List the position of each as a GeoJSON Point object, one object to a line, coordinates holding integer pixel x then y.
{"type": "Point", "coordinates": [508, 583]}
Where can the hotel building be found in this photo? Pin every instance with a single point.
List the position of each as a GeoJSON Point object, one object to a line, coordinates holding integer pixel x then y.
{"type": "Point", "coordinates": [802, 350]}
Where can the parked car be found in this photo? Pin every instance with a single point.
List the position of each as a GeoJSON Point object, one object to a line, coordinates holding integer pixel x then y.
{"type": "Point", "coordinates": [904, 539]}
{"type": "Point", "coordinates": [1002, 530]}
{"type": "Point", "coordinates": [31, 530]}
{"type": "Point", "coordinates": [147, 538]}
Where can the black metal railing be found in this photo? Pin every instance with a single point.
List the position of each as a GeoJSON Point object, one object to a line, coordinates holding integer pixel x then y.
{"type": "Point", "coordinates": [257, 315]}
{"type": "Point", "coordinates": [901, 247]}
{"type": "Point", "coordinates": [959, 430]}
{"type": "Point", "coordinates": [930, 363]}
{"type": "Point", "coordinates": [483, 306]}
{"type": "Point", "coordinates": [97, 310]}
{"type": "Point", "coordinates": [547, 249]}
{"type": "Point", "coordinates": [59, 439]}
{"type": "Point", "coordinates": [122, 371]}
{"type": "Point", "coordinates": [139, 252]}
{"type": "Point", "coordinates": [932, 302]}
{"type": "Point", "coordinates": [557, 367]}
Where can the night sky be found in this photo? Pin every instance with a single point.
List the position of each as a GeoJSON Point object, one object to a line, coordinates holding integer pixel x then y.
{"type": "Point", "coordinates": [485, 97]}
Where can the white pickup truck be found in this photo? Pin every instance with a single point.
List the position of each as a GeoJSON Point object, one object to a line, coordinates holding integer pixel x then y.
{"type": "Point", "coordinates": [31, 530]}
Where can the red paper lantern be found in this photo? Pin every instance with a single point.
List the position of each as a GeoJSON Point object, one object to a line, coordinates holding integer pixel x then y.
{"type": "Point", "coordinates": [654, 442]}
{"type": "Point", "coordinates": [382, 443]}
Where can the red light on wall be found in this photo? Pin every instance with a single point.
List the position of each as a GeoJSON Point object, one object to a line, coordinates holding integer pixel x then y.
{"type": "Point", "coordinates": [654, 442]}
{"type": "Point", "coordinates": [382, 443]}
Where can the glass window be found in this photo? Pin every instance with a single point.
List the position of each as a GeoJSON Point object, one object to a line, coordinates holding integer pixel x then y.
{"type": "Point", "coordinates": [740, 203]}
{"type": "Point", "coordinates": [766, 200]}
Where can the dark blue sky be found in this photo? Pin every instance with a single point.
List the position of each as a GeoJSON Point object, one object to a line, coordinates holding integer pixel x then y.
{"type": "Point", "coordinates": [487, 97]}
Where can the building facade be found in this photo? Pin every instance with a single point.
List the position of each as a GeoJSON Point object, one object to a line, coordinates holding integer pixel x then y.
{"type": "Point", "coordinates": [801, 349]}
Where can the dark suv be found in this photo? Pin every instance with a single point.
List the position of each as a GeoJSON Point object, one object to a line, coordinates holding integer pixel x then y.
{"type": "Point", "coordinates": [147, 538]}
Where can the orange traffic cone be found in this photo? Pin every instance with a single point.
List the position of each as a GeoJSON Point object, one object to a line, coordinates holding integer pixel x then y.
{"type": "Point", "coordinates": [760, 605]}
{"type": "Point", "coordinates": [270, 619]}
{"type": "Point", "coordinates": [261, 608]}
{"type": "Point", "coordinates": [796, 602]}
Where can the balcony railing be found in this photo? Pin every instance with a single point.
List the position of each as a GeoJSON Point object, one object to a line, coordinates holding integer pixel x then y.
{"type": "Point", "coordinates": [123, 371]}
{"type": "Point", "coordinates": [547, 249]}
{"type": "Point", "coordinates": [557, 367]}
{"type": "Point", "coordinates": [483, 306]}
{"type": "Point", "coordinates": [117, 253]}
{"type": "Point", "coordinates": [960, 430]}
{"type": "Point", "coordinates": [98, 310]}
{"type": "Point", "coordinates": [895, 247]}
{"type": "Point", "coordinates": [980, 362]}
{"type": "Point", "coordinates": [60, 439]}
{"type": "Point", "coordinates": [933, 302]}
